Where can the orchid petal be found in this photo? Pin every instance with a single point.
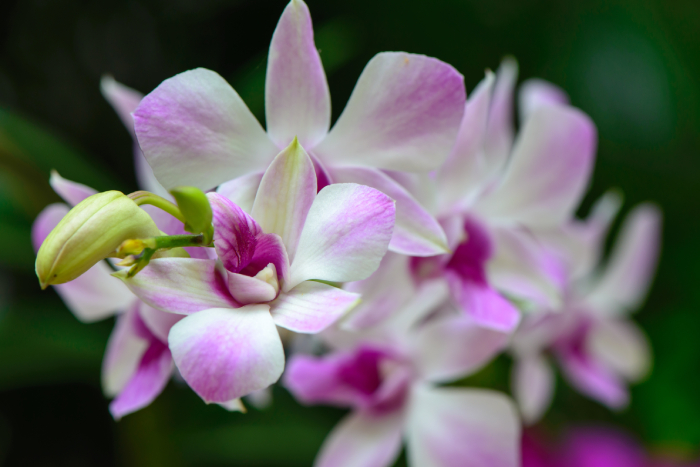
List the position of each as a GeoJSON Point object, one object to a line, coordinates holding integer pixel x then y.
{"type": "Point", "coordinates": [311, 307]}
{"type": "Point", "coordinates": [234, 233]}
{"type": "Point", "coordinates": [346, 234]}
{"type": "Point", "coordinates": [297, 100]}
{"type": "Point", "coordinates": [416, 232]}
{"type": "Point", "coordinates": [269, 249]}
{"type": "Point", "coordinates": [362, 440]}
{"type": "Point", "coordinates": [632, 263]}
{"type": "Point", "coordinates": [180, 285]}
{"type": "Point", "coordinates": [498, 142]}
{"type": "Point", "coordinates": [285, 195]}
{"type": "Point", "coordinates": [535, 93]}
{"type": "Point", "coordinates": [158, 322]}
{"type": "Point", "coordinates": [234, 405]}
{"type": "Point", "coordinates": [621, 346]}
{"type": "Point", "coordinates": [71, 192]}
{"type": "Point", "coordinates": [242, 190]}
{"type": "Point", "coordinates": [454, 427]}
{"type": "Point", "coordinates": [125, 349]}
{"type": "Point", "coordinates": [194, 129]}
{"type": "Point", "coordinates": [45, 222]}
{"type": "Point", "coordinates": [606, 447]}
{"type": "Point", "coordinates": [403, 114]}
{"type": "Point", "coordinates": [548, 172]}
{"type": "Point", "coordinates": [484, 305]}
{"type": "Point", "coordinates": [453, 347]}
{"type": "Point", "coordinates": [246, 289]}
{"type": "Point", "coordinates": [533, 386]}
{"type": "Point", "coordinates": [224, 354]}
{"type": "Point", "coordinates": [594, 379]}
{"type": "Point", "coordinates": [123, 99]}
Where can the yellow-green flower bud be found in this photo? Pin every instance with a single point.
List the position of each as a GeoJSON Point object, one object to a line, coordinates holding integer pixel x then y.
{"type": "Point", "coordinates": [90, 232]}
{"type": "Point", "coordinates": [194, 206]}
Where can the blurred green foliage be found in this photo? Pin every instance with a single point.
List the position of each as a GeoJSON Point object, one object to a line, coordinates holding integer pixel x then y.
{"type": "Point", "coordinates": [631, 64]}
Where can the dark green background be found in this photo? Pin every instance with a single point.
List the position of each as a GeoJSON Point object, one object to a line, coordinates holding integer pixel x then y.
{"type": "Point", "coordinates": [634, 66]}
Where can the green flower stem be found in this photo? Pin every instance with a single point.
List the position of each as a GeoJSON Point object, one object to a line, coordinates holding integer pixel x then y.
{"type": "Point", "coordinates": [146, 197]}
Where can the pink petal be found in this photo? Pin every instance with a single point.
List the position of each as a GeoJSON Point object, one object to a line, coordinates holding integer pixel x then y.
{"type": "Point", "coordinates": [536, 93]}
{"type": "Point", "coordinates": [269, 249]}
{"type": "Point", "coordinates": [622, 346]}
{"type": "Point", "coordinates": [602, 447]}
{"type": "Point", "coordinates": [346, 234]}
{"type": "Point", "coordinates": [364, 440]}
{"type": "Point", "coordinates": [297, 100]}
{"type": "Point", "coordinates": [593, 379]}
{"type": "Point", "coordinates": [71, 192]}
{"type": "Point", "coordinates": [45, 222]}
{"type": "Point", "coordinates": [234, 233]}
{"type": "Point", "coordinates": [224, 354]}
{"type": "Point", "coordinates": [549, 169]}
{"type": "Point", "coordinates": [246, 290]}
{"type": "Point", "coordinates": [180, 285]}
{"type": "Point", "coordinates": [403, 115]}
{"type": "Point", "coordinates": [158, 322]}
{"type": "Point", "coordinates": [499, 132]}
{"type": "Point", "coordinates": [455, 427]}
{"type": "Point", "coordinates": [195, 130]}
{"type": "Point", "coordinates": [123, 99]}
{"type": "Point", "coordinates": [533, 386]}
{"type": "Point", "coordinates": [416, 232]}
{"type": "Point", "coordinates": [484, 305]}
{"type": "Point", "coordinates": [242, 190]}
{"type": "Point", "coordinates": [311, 307]}
{"type": "Point", "coordinates": [125, 348]}
{"type": "Point", "coordinates": [285, 195]}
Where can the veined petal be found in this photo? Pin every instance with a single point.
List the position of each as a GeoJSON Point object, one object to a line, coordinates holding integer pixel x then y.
{"type": "Point", "coordinates": [297, 100]}
{"type": "Point", "coordinates": [452, 347]}
{"type": "Point", "coordinates": [364, 440]}
{"type": "Point", "coordinates": [533, 386]}
{"type": "Point", "coordinates": [621, 346]}
{"type": "Point", "coordinates": [403, 114]}
{"type": "Point", "coordinates": [235, 233]}
{"type": "Point", "coordinates": [269, 249]}
{"type": "Point", "coordinates": [345, 236]}
{"type": "Point", "coordinates": [123, 99]}
{"type": "Point", "coordinates": [180, 285]}
{"type": "Point", "coordinates": [484, 305]}
{"type": "Point", "coordinates": [285, 195]}
{"type": "Point", "coordinates": [630, 269]}
{"type": "Point", "coordinates": [535, 93]}
{"type": "Point", "coordinates": [125, 348]}
{"type": "Point", "coordinates": [311, 307]}
{"type": "Point", "coordinates": [548, 171]}
{"type": "Point", "coordinates": [195, 130]}
{"type": "Point", "coordinates": [242, 190]}
{"type": "Point", "coordinates": [454, 427]}
{"type": "Point", "coordinates": [224, 354]}
{"type": "Point", "coordinates": [416, 232]}
{"type": "Point", "coordinates": [247, 290]}
{"type": "Point", "coordinates": [71, 192]}
{"type": "Point", "coordinates": [499, 131]}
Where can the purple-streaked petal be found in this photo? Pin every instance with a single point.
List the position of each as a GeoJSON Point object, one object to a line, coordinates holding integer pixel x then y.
{"type": "Point", "coordinates": [71, 192]}
{"type": "Point", "coordinates": [403, 115]}
{"type": "Point", "coordinates": [535, 93]}
{"type": "Point", "coordinates": [194, 129]}
{"type": "Point", "coordinates": [125, 348]}
{"type": "Point", "coordinates": [548, 171]}
{"type": "Point", "coordinates": [234, 233]}
{"type": "Point", "coordinates": [453, 347]}
{"type": "Point", "coordinates": [484, 305]}
{"type": "Point", "coordinates": [297, 100]}
{"type": "Point", "coordinates": [455, 427]}
{"type": "Point", "coordinates": [311, 307]}
{"type": "Point", "coordinates": [180, 285]}
{"type": "Point", "coordinates": [345, 236]}
{"type": "Point", "coordinates": [224, 354]}
{"type": "Point", "coordinates": [364, 440]}
{"type": "Point", "coordinates": [158, 322]}
{"type": "Point", "coordinates": [246, 290]}
{"type": "Point", "coordinates": [285, 195]}
{"type": "Point", "coordinates": [464, 171]}
{"type": "Point", "coordinates": [533, 386]}
{"type": "Point", "coordinates": [632, 263]}
{"type": "Point", "coordinates": [621, 346]}
{"type": "Point", "coordinates": [269, 249]}
{"type": "Point", "coordinates": [416, 232]}
{"type": "Point", "coordinates": [123, 99]}
{"type": "Point", "coordinates": [499, 131]}
{"type": "Point", "coordinates": [147, 383]}
{"type": "Point", "coordinates": [595, 380]}
{"type": "Point", "coordinates": [242, 190]}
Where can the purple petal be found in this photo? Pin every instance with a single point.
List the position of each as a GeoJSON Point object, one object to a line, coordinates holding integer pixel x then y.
{"type": "Point", "coordinates": [71, 192]}
{"type": "Point", "coordinates": [285, 195]}
{"type": "Point", "coordinates": [297, 100]}
{"type": "Point", "coordinates": [593, 379]}
{"type": "Point", "coordinates": [602, 447]}
{"type": "Point", "coordinates": [499, 131]}
{"type": "Point", "coordinates": [269, 249]}
{"type": "Point", "coordinates": [234, 233]}
{"type": "Point", "coordinates": [346, 234]}
{"type": "Point", "coordinates": [125, 349]}
{"type": "Point", "coordinates": [311, 307]}
{"type": "Point", "coordinates": [180, 285]}
{"type": "Point", "coordinates": [45, 222]}
{"type": "Point", "coordinates": [403, 115]}
{"type": "Point", "coordinates": [533, 386]}
{"type": "Point", "coordinates": [361, 439]}
{"type": "Point", "coordinates": [195, 130]}
{"type": "Point", "coordinates": [455, 427]}
{"type": "Point", "coordinates": [536, 93]}
{"type": "Point", "coordinates": [242, 190]}
{"type": "Point", "coordinates": [158, 322]}
{"type": "Point", "coordinates": [123, 99]}
{"type": "Point", "coordinates": [224, 354]}
{"type": "Point", "coordinates": [486, 306]}
{"type": "Point", "coordinates": [416, 232]}
{"type": "Point", "coordinates": [246, 290]}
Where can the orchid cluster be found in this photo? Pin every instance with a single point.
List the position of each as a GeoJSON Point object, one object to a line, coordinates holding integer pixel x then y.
{"type": "Point", "coordinates": [370, 265]}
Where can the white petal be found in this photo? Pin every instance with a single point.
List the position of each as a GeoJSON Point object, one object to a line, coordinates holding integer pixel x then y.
{"type": "Point", "coordinates": [622, 346]}
{"type": "Point", "coordinates": [533, 386]}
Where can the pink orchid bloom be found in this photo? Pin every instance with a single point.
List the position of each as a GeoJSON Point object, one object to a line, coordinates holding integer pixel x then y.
{"type": "Point", "coordinates": [267, 275]}
{"type": "Point", "coordinates": [388, 374]}
{"type": "Point", "coordinates": [598, 348]}
{"type": "Point", "coordinates": [496, 192]}
{"type": "Point", "coordinates": [403, 115]}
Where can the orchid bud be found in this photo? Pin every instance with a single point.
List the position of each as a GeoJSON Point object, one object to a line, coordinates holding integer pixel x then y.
{"type": "Point", "coordinates": [195, 208]}
{"type": "Point", "coordinates": [90, 232]}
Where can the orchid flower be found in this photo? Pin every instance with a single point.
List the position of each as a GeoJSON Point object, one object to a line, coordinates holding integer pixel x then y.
{"type": "Point", "coordinates": [403, 115]}
{"type": "Point", "coordinates": [598, 348]}
{"type": "Point", "coordinates": [267, 275]}
{"type": "Point", "coordinates": [494, 193]}
{"type": "Point", "coordinates": [387, 375]}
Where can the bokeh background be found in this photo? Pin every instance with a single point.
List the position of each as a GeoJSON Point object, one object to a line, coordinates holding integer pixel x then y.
{"type": "Point", "coordinates": [633, 65]}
